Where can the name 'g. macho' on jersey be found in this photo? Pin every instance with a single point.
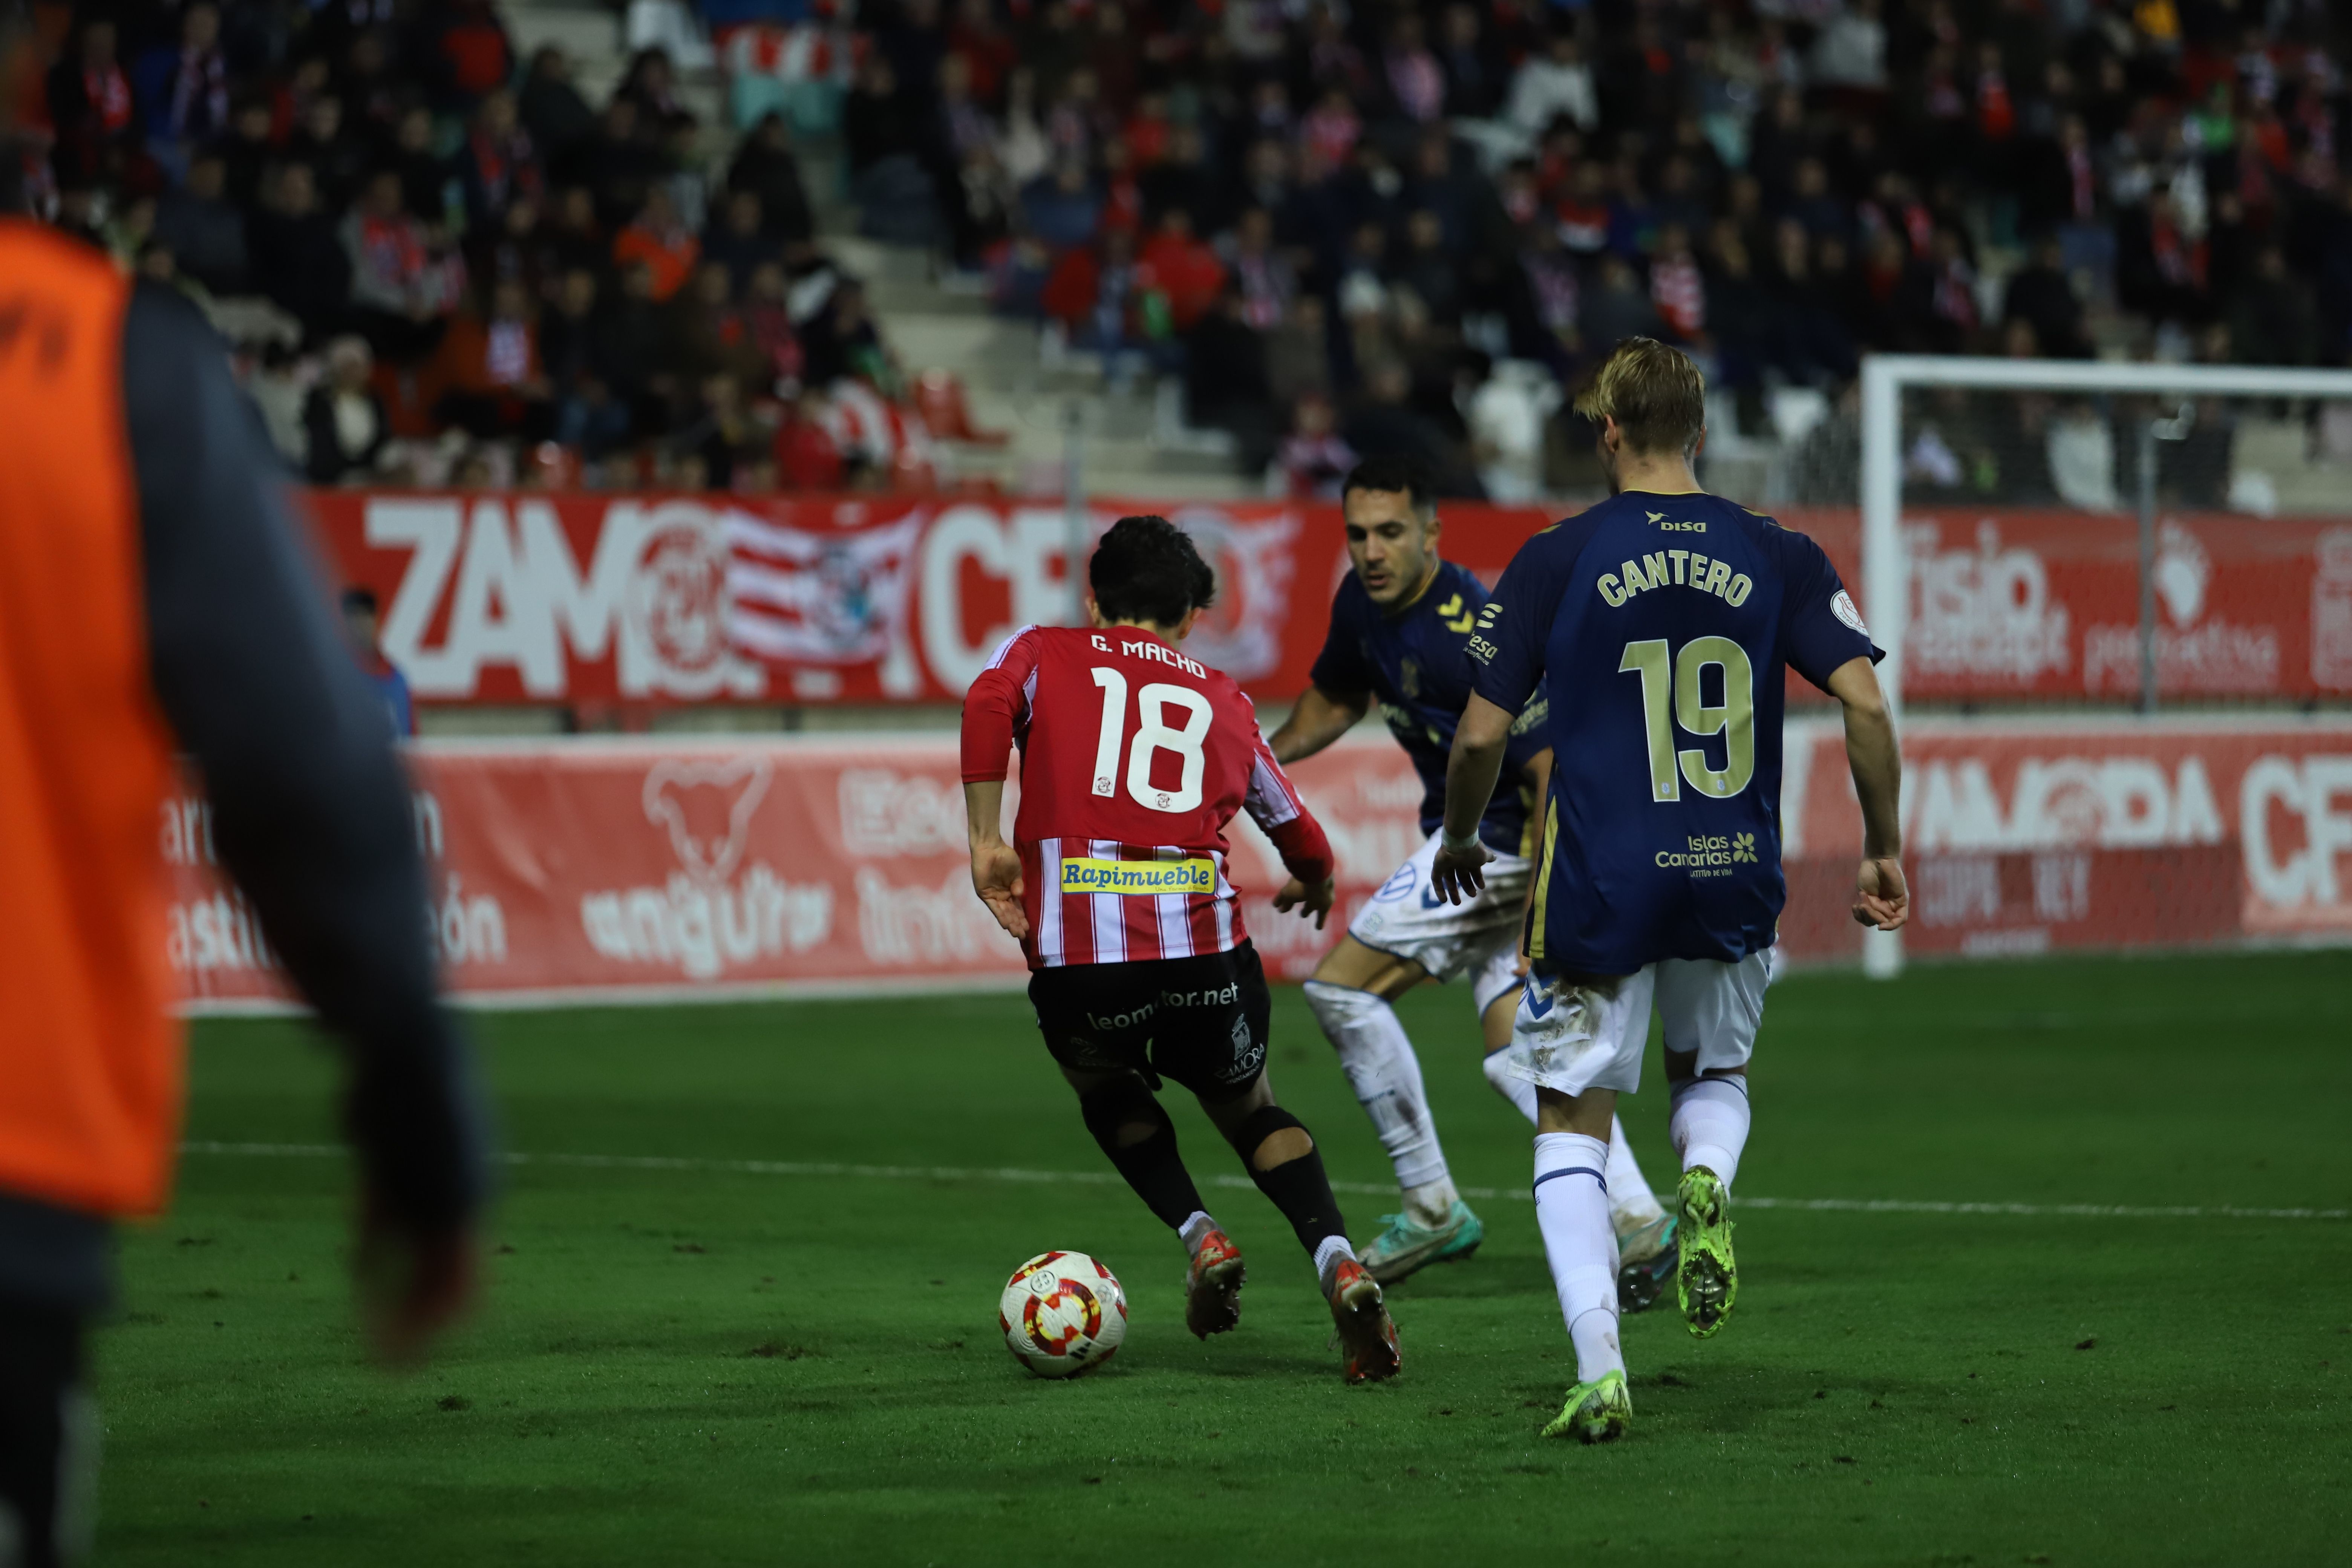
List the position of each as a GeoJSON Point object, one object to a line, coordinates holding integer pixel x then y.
{"type": "Point", "coordinates": [1133, 758]}
{"type": "Point", "coordinates": [1662, 623]}
{"type": "Point", "coordinates": [1416, 664]}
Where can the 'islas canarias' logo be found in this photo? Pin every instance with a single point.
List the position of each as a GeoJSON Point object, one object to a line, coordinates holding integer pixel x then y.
{"type": "Point", "coordinates": [1709, 853]}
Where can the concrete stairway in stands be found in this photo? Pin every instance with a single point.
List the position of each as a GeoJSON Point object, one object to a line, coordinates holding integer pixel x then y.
{"type": "Point", "coordinates": [1128, 443]}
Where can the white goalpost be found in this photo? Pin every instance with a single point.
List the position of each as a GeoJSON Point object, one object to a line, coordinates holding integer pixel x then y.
{"type": "Point", "coordinates": [2141, 407]}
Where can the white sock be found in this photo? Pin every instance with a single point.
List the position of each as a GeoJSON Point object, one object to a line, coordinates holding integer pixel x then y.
{"type": "Point", "coordinates": [1572, 1211]}
{"type": "Point", "coordinates": [1594, 1335]}
{"type": "Point", "coordinates": [1511, 1085]}
{"type": "Point", "coordinates": [1379, 1061]}
{"type": "Point", "coordinates": [1631, 1204]}
{"type": "Point", "coordinates": [1709, 1124]}
{"type": "Point", "coordinates": [1196, 1229]}
{"type": "Point", "coordinates": [1333, 1251]}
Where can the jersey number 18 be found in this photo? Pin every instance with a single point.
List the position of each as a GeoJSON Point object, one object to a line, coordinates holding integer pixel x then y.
{"type": "Point", "coordinates": [1152, 733]}
{"type": "Point", "coordinates": [1672, 695]}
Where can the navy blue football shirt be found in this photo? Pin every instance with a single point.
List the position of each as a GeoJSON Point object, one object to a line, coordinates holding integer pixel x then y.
{"type": "Point", "coordinates": [1662, 623]}
{"type": "Point", "coordinates": [1416, 664]}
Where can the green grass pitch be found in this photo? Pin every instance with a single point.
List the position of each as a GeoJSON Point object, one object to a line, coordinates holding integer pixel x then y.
{"type": "Point", "coordinates": [694, 1365]}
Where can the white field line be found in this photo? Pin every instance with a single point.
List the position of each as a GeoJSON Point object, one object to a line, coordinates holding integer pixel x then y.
{"type": "Point", "coordinates": [1106, 1178]}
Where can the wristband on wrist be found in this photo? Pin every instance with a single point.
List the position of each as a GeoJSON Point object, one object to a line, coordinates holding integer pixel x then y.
{"type": "Point", "coordinates": [1457, 846]}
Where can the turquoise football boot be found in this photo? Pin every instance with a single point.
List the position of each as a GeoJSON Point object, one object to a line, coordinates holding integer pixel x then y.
{"type": "Point", "coordinates": [1406, 1246]}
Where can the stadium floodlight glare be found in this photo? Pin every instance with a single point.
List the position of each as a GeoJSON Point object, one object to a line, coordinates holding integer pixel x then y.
{"type": "Point", "coordinates": [1886, 574]}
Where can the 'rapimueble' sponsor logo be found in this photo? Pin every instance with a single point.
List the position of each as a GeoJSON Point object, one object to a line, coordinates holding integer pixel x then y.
{"type": "Point", "coordinates": [1142, 877]}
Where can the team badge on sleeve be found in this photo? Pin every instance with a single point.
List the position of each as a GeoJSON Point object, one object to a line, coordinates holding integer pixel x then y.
{"type": "Point", "coordinates": [1841, 606]}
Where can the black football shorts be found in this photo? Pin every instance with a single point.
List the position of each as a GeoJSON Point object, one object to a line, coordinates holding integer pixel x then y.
{"type": "Point", "coordinates": [1201, 1021]}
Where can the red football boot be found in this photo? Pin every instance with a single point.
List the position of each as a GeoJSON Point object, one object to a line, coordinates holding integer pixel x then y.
{"type": "Point", "coordinates": [1213, 1286]}
{"type": "Point", "coordinates": [1366, 1333]}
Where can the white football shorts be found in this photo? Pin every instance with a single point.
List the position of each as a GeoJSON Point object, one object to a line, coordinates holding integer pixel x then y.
{"type": "Point", "coordinates": [1569, 1038]}
{"type": "Point", "coordinates": [1480, 939]}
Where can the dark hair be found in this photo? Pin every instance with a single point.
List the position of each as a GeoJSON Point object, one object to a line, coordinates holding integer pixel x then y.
{"type": "Point", "coordinates": [1389, 474]}
{"type": "Point", "coordinates": [359, 599]}
{"type": "Point", "coordinates": [1145, 569]}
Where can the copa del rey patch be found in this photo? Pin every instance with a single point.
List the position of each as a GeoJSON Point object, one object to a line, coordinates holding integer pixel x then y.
{"type": "Point", "coordinates": [1841, 606]}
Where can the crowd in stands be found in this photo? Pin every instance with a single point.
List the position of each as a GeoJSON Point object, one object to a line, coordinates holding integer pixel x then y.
{"type": "Point", "coordinates": [1336, 220]}
{"type": "Point", "coordinates": [445, 265]}
{"type": "Point", "coordinates": [1342, 225]}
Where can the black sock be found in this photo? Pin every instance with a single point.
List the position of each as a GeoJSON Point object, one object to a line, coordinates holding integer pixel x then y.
{"type": "Point", "coordinates": [1299, 1187]}
{"type": "Point", "coordinates": [1153, 1167]}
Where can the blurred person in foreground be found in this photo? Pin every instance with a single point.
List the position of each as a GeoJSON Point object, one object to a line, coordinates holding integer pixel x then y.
{"type": "Point", "coordinates": [153, 600]}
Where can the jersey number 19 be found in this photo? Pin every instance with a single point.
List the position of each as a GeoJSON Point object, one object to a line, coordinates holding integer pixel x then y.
{"type": "Point", "coordinates": [1673, 695]}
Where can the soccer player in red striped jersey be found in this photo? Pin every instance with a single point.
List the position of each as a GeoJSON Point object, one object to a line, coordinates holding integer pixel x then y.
{"type": "Point", "coordinates": [1134, 758]}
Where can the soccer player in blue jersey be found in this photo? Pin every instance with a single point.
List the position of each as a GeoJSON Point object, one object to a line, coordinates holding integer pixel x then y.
{"type": "Point", "coordinates": [1662, 619]}
{"type": "Point", "coordinates": [1400, 625]}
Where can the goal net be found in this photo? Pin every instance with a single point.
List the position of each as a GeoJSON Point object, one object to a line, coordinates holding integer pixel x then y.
{"type": "Point", "coordinates": [2118, 602]}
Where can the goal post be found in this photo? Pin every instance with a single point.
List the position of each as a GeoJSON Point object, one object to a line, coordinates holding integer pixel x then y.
{"type": "Point", "coordinates": [2148, 467]}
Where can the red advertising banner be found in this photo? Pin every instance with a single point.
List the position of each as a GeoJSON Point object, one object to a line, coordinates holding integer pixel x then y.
{"type": "Point", "coordinates": [2030, 835]}
{"type": "Point", "coordinates": [531, 598]}
{"type": "Point", "coordinates": [656, 600]}
{"type": "Point", "coordinates": [2046, 603]}
{"type": "Point", "coordinates": [616, 870]}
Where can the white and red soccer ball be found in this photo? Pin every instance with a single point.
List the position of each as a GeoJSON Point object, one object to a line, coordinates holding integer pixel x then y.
{"type": "Point", "coordinates": [1062, 1314]}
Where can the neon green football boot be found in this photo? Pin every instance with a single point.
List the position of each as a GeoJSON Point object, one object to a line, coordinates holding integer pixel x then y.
{"type": "Point", "coordinates": [1706, 1281]}
{"type": "Point", "coordinates": [1406, 1246]}
{"type": "Point", "coordinates": [1597, 1412]}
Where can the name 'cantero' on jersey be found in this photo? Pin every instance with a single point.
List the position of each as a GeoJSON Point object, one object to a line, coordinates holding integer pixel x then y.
{"type": "Point", "coordinates": [1675, 568]}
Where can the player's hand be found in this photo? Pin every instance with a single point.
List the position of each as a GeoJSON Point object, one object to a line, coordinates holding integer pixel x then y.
{"type": "Point", "coordinates": [412, 1283]}
{"type": "Point", "coordinates": [1459, 875]}
{"type": "Point", "coordinates": [1315, 901]}
{"type": "Point", "coordinates": [996, 877]}
{"type": "Point", "coordinates": [1881, 897]}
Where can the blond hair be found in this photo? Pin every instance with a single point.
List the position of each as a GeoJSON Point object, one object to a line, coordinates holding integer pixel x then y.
{"type": "Point", "coordinates": [1653, 392]}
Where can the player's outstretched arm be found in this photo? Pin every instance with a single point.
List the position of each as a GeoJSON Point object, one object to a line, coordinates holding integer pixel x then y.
{"type": "Point", "coordinates": [310, 810]}
{"type": "Point", "coordinates": [1479, 741]}
{"type": "Point", "coordinates": [1316, 720]}
{"type": "Point", "coordinates": [1273, 804]}
{"type": "Point", "coordinates": [1881, 897]}
{"type": "Point", "coordinates": [995, 864]}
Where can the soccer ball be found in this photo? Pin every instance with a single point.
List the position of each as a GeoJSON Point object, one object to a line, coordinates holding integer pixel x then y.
{"type": "Point", "coordinates": [1062, 1314]}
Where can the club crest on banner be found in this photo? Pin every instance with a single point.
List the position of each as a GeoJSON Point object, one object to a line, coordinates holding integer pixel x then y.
{"type": "Point", "coordinates": [1241, 633]}
{"type": "Point", "coordinates": [679, 597]}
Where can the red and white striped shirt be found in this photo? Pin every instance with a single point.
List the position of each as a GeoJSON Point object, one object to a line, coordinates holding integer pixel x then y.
{"type": "Point", "coordinates": [1133, 758]}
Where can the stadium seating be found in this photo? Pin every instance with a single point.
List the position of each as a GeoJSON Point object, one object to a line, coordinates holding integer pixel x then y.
{"type": "Point", "coordinates": [1273, 234]}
